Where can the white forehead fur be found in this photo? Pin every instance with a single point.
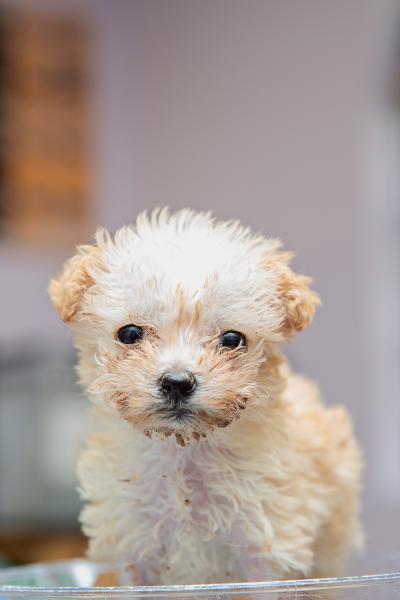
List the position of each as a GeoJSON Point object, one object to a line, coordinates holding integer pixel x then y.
{"type": "Point", "coordinates": [219, 264]}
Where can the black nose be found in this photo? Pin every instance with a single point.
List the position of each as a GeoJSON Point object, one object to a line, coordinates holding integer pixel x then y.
{"type": "Point", "coordinates": [177, 386]}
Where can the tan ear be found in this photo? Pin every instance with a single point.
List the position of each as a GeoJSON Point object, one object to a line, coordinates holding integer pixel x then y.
{"type": "Point", "coordinates": [299, 301]}
{"type": "Point", "coordinates": [296, 301]}
{"type": "Point", "coordinates": [67, 290]}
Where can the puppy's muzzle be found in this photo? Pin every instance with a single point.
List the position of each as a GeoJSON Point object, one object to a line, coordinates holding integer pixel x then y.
{"type": "Point", "coordinates": [177, 387]}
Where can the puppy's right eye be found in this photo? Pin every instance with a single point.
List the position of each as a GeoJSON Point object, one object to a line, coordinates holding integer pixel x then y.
{"type": "Point", "coordinates": [130, 334]}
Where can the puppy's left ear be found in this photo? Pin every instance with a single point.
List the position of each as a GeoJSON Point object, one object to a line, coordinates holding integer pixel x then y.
{"type": "Point", "coordinates": [296, 300]}
{"type": "Point", "coordinates": [67, 290]}
{"type": "Point", "coordinates": [299, 302]}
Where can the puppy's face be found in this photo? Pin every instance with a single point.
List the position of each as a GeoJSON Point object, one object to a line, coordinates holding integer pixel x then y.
{"type": "Point", "coordinates": [177, 319]}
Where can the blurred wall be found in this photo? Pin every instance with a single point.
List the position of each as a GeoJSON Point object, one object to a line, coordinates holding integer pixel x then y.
{"type": "Point", "coordinates": [263, 110]}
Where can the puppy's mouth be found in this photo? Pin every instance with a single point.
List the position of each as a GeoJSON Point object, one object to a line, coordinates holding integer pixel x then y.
{"type": "Point", "coordinates": [186, 415]}
{"type": "Point", "coordinates": [181, 415]}
{"type": "Point", "coordinates": [187, 421]}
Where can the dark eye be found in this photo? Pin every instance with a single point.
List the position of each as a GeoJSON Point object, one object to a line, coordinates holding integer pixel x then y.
{"type": "Point", "coordinates": [130, 334]}
{"type": "Point", "coordinates": [233, 339]}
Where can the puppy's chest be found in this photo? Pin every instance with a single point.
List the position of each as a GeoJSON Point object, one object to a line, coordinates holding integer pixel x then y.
{"type": "Point", "coordinates": [200, 492]}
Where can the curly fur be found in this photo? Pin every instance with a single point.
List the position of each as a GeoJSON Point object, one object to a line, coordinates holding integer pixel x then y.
{"type": "Point", "coordinates": [260, 480]}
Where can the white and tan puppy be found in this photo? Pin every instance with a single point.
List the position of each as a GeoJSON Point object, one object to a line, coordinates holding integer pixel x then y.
{"type": "Point", "coordinates": [209, 460]}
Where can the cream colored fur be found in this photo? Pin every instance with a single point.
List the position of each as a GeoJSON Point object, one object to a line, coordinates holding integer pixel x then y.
{"type": "Point", "coordinates": [263, 481]}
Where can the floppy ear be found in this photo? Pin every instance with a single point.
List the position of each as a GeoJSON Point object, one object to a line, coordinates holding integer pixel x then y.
{"type": "Point", "coordinates": [68, 289]}
{"type": "Point", "coordinates": [296, 300]}
{"type": "Point", "coordinates": [299, 301]}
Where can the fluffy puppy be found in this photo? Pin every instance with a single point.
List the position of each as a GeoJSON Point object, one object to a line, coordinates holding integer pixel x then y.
{"type": "Point", "coordinates": [209, 460]}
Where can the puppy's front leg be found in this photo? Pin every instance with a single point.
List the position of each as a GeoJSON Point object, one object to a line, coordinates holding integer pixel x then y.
{"type": "Point", "coordinates": [139, 574]}
{"type": "Point", "coordinates": [258, 567]}
{"type": "Point", "coordinates": [126, 574]}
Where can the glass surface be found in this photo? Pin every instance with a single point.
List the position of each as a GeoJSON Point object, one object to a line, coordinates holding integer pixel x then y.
{"type": "Point", "coordinates": [377, 578]}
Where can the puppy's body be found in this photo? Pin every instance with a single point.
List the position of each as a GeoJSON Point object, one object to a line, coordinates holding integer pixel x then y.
{"type": "Point", "coordinates": [254, 478]}
{"type": "Point", "coordinates": [270, 495]}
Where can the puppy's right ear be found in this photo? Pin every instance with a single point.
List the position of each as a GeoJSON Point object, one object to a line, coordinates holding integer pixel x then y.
{"type": "Point", "coordinates": [68, 289]}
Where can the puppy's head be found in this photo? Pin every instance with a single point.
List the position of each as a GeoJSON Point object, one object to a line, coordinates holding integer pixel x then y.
{"type": "Point", "coordinates": [177, 319]}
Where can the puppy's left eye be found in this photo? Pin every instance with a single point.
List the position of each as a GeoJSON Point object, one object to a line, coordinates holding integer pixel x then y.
{"type": "Point", "coordinates": [130, 334]}
{"type": "Point", "coordinates": [233, 340]}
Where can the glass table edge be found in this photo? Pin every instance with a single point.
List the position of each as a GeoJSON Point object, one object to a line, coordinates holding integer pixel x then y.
{"type": "Point", "coordinates": [200, 589]}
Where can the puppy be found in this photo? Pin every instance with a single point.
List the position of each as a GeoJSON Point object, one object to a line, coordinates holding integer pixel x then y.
{"type": "Point", "coordinates": [209, 460]}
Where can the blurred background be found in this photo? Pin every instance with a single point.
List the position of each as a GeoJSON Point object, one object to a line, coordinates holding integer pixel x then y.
{"type": "Point", "coordinates": [282, 113]}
